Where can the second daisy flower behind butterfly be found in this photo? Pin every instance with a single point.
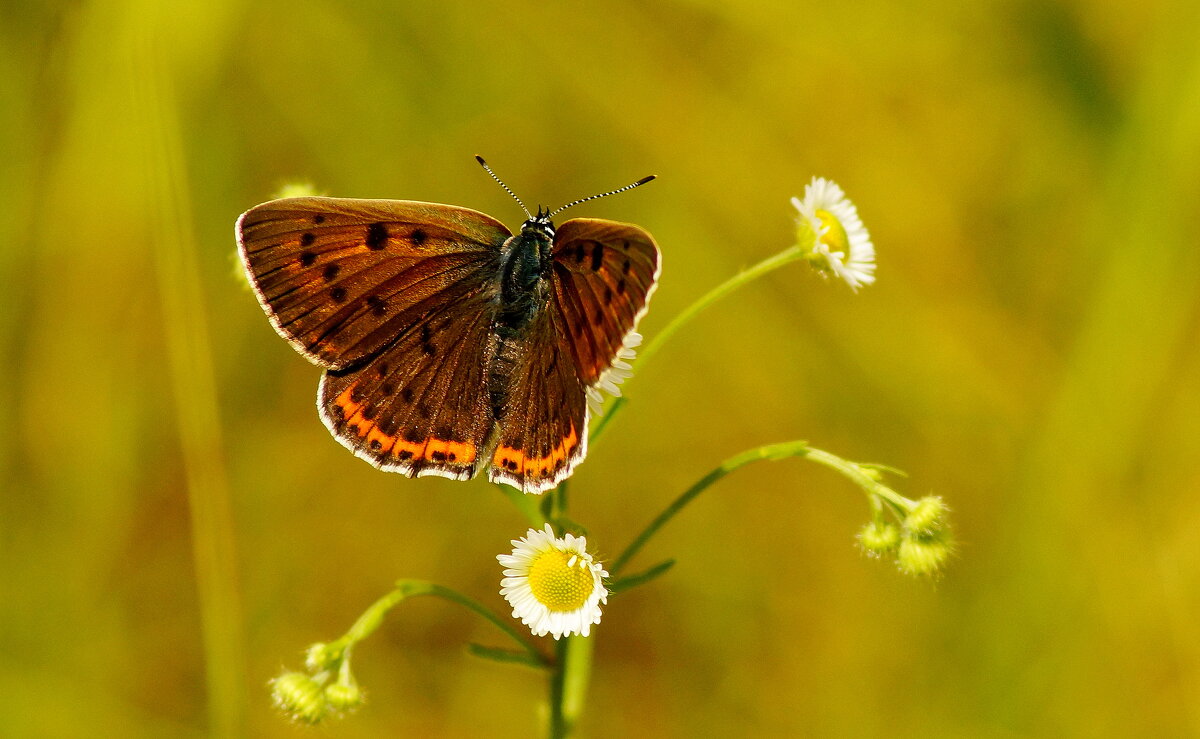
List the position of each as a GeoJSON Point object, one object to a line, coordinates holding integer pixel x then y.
{"type": "Point", "coordinates": [553, 584]}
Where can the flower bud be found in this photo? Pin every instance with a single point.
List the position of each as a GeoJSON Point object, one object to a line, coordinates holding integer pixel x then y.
{"type": "Point", "coordinates": [879, 537]}
{"type": "Point", "coordinates": [344, 697]}
{"type": "Point", "coordinates": [321, 656]}
{"type": "Point", "coordinates": [300, 697]}
{"type": "Point", "coordinates": [922, 555]}
{"type": "Point", "coordinates": [927, 516]}
{"type": "Point", "coordinates": [296, 190]}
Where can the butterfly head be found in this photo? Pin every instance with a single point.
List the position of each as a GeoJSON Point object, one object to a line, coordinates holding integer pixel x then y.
{"type": "Point", "coordinates": [540, 226]}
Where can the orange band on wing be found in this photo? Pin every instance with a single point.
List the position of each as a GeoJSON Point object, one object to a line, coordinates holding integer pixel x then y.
{"type": "Point", "coordinates": [431, 449]}
{"type": "Point", "coordinates": [516, 461]}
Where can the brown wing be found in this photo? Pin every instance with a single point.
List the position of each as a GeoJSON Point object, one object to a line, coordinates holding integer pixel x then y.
{"type": "Point", "coordinates": [341, 278]}
{"type": "Point", "coordinates": [421, 407]}
{"type": "Point", "coordinates": [543, 424]}
{"type": "Point", "coordinates": [604, 274]}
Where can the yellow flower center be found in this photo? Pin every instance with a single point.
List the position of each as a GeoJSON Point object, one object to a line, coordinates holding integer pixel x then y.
{"type": "Point", "coordinates": [558, 586]}
{"type": "Point", "coordinates": [835, 236]}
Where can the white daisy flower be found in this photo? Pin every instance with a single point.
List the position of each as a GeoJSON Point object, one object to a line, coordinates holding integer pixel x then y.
{"type": "Point", "coordinates": [553, 585]}
{"type": "Point", "coordinates": [833, 236]}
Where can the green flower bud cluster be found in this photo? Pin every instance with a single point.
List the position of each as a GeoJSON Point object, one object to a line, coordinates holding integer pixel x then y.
{"type": "Point", "coordinates": [919, 539]}
{"type": "Point", "coordinates": [311, 698]}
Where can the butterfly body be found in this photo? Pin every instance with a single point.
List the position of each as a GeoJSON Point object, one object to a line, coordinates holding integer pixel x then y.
{"type": "Point", "coordinates": [524, 274]}
{"type": "Point", "coordinates": [450, 345]}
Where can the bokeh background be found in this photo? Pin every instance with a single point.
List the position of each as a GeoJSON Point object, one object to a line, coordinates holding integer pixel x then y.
{"type": "Point", "coordinates": [1030, 174]}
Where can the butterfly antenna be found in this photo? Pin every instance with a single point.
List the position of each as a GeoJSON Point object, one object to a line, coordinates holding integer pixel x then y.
{"type": "Point", "coordinates": [501, 183]}
{"type": "Point", "coordinates": [639, 183]}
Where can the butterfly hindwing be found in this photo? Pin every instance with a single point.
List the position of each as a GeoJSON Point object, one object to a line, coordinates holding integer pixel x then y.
{"type": "Point", "coordinates": [341, 278]}
{"type": "Point", "coordinates": [542, 431]}
{"type": "Point", "coordinates": [604, 274]}
{"type": "Point", "coordinates": [421, 407]}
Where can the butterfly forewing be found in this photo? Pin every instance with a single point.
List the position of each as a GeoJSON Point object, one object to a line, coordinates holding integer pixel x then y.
{"type": "Point", "coordinates": [341, 278]}
{"type": "Point", "coordinates": [604, 274]}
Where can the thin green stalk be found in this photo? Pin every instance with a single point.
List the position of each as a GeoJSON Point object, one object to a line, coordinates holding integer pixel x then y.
{"type": "Point", "coordinates": [858, 474]}
{"type": "Point", "coordinates": [770, 451]}
{"type": "Point", "coordinates": [530, 506]}
{"type": "Point", "coordinates": [771, 263]}
{"type": "Point", "coordinates": [876, 492]}
{"type": "Point", "coordinates": [373, 616]}
{"type": "Point", "coordinates": [558, 508]}
{"type": "Point", "coordinates": [569, 684]}
{"type": "Point", "coordinates": [791, 254]}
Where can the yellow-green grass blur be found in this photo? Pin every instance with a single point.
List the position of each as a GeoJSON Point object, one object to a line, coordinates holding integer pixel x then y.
{"type": "Point", "coordinates": [176, 525]}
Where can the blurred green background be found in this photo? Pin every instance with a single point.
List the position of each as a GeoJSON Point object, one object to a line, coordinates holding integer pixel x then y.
{"type": "Point", "coordinates": [1030, 174]}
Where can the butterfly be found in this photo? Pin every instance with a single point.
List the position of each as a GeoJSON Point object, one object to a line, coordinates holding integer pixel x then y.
{"type": "Point", "coordinates": [450, 345]}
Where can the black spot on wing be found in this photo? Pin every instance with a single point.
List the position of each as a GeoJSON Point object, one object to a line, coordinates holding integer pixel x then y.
{"type": "Point", "coordinates": [427, 344]}
{"type": "Point", "coordinates": [377, 236]}
{"type": "Point", "coordinates": [331, 272]}
{"type": "Point", "coordinates": [378, 306]}
{"type": "Point", "coordinates": [307, 259]}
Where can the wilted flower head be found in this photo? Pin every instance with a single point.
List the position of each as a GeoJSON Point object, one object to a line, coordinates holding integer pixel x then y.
{"type": "Point", "coordinates": [832, 236]}
{"type": "Point", "coordinates": [553, 584]}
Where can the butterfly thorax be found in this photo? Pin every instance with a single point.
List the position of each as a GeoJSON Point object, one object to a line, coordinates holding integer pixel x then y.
{"type": "Point", "coordinates": [525, 265]}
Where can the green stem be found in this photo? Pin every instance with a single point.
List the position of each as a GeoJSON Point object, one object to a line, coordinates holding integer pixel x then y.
{"type": "Point", "coordinates": [373, 616]}
{"type": "Point", "coordinates": [770, 451]}
{"type": "Point", "coordinates": [849, 469]}
{"type": "Point", "coordinates": [876, 491]}
{"type": "Point", "coordinates": [559, 508]}
{"type": "Point", "coordinates": [530, 506]}
{"type": "Point", "coordinates": [791, 254]}
{"type": "Point", "coordinates": [857, 474]}
{"type": "Point", "coordinates": [569, 684]}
